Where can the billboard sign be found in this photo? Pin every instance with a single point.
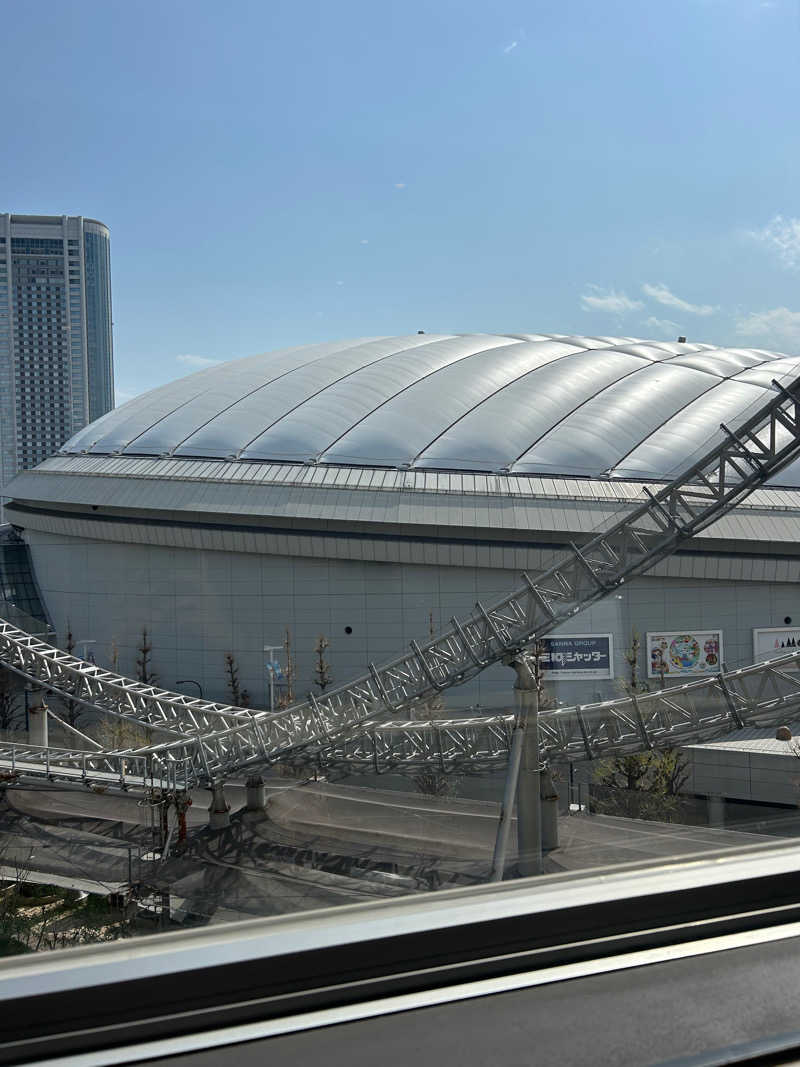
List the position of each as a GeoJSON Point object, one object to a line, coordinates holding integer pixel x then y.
{"type": "Point", "coordinates": [769, 642]}
{"type": "Point", "coordinates": [578, 657]}
{"type": "Point", "coordinates": [678, 654]}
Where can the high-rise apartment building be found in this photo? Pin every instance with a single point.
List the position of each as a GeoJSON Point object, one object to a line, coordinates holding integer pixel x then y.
{"type": "Point", "coordinates": [56, 360]}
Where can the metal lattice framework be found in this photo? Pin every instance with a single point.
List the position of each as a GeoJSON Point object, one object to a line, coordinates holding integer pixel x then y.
{"type": "Point", "coordinates": [209, 740]}
{"type": "Point", "coordinates": [764, 694]}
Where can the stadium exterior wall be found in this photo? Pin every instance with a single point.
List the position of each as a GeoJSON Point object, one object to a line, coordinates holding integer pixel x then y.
{"type": "Point", "coordinates": [199, 603]}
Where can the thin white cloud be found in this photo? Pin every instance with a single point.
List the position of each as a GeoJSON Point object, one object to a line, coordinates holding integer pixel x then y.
{"type": "Point", "coordinates": [364, 241]}
{"type": "Point", "coordinates": [597, 299]}
{"type": "Point", "coordinates": [510, 47]}
{"type": "Point", "coordinates": [782, 236]}
{"type": "Point", "coordinates": [122, 396]}
{"type": "Point", "coordinates": [662, 295]}
{"type": "Point", "coordinates": [778, 326]}
{"type": "Point", "coordinates": [196, 361]}
{"type": "Point", "coordinates": [399, 185]}
{"type": "Point", "coordinates": [662, 325]}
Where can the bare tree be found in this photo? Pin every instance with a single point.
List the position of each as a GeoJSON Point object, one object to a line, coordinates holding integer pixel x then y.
{"type": "Point", "coordinates": [144, 667]}
{"type": "Point", "coordinates": [435, 703]}
{"type": "Point", "coordinates": [119, 735]}
{"type": "Point", "coordinates": [287, 696]}
{"type": "Point", "coordinates": [114, 656]}
{"type": "Point", "coordinates": [633, 684]}
{"type": "Point", "coordinates": [323, 674]}
{"type": "Point", "coordinates": [9, 701]}
{"type": "Point", "coordinates": [232, 671]}
{"type": "Point", "coordinates": [645, 785]}
{"type": "Point", "coordinates": [72, 710]}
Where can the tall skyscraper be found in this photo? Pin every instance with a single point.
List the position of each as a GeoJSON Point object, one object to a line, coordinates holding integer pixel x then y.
{"type": "Point", "coordinates": [56, 359]}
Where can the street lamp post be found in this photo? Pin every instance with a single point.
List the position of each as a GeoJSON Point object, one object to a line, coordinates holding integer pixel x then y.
{"type": "Point", "coordinates": [269, 666]}
{"type": "Point", "coordinates": [190, 681]}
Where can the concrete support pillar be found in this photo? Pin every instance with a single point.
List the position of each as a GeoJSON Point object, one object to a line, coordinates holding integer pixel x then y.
{"type": "Point", "coordinates": [549, 798]}
{"type": "Point", "coordinates": [219, 813]}
{"type": "Point", "coordinates": [716, 810]}
{"type": "Point", "coordinates": [256, 793]}
{"type": "Point", "coordinates": [529, 804]}
{"type": "Point", "coordinates": [36, 712]}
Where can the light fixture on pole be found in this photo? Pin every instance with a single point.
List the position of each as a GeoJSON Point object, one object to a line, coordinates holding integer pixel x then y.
{"type": "Point", "coordinates": [190, 681]}
{"type": "Point", "coordinates": [87, 657]}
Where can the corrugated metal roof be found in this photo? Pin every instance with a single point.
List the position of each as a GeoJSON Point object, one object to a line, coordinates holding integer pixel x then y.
{"type": "Point", "coordinates": [349, 503]}
{"type": "Point", "coordinates": [768, 500]}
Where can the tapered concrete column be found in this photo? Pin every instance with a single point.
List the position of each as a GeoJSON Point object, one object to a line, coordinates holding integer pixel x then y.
{"type": "Point", "coordinates": [549, 798]}
{"type": "Point", "coordinates": [37, 716]}
{"type": "Point", "coordinates": [716, 810]}
{"type": "Point", "coordinates": [529, 804]}
{"type": "Point", "coordinates": [219, 813]}
{"type": "Point", "coordinates": [255, 793]}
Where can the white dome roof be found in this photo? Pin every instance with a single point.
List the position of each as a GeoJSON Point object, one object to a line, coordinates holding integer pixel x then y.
{"type": "Point", "coordinates": [525, 403]}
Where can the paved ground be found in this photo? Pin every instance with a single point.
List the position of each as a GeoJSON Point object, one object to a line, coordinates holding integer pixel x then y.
{"type": "Point", "coordinates": [318, 845]}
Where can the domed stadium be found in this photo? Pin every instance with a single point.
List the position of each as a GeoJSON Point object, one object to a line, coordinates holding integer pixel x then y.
{"type": "Point", "coordinates": [369, 490]}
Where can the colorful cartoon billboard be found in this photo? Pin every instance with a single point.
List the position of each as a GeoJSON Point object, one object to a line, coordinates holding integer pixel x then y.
{"type": "Point", "coordinates": [674, 653]}
{"type": "Point", "coordinates": [578, 657]}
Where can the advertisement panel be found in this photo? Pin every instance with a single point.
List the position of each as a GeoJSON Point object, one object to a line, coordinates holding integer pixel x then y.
{"type": "Point", "coordinates": [676, 653]}
{"type": "Point", "coordinates": [769, 642]}
{"type": "Point", "coordinates": [578, 657]}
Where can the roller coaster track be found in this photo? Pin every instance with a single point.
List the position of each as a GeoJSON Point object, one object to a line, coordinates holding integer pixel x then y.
{"type": "Point", "coordinates": [761, 695]}
{"type": "Point", "coordinates": [199, 740]}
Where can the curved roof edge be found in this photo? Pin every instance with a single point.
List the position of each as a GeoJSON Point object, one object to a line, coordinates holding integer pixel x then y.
{"type": "Point", "coordinates": [41, 482]}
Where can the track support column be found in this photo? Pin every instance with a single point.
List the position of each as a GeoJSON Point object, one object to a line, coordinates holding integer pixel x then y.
{"type": "Point", "coordinates": [36, 714]}
{"type": "Point", "coordinates": [529, 803]}
{"type": "Point", "coordinates": [255, 793]}
{"type": "Point", "coordinates": [716, 810]}
{"type": "Point", "coordinates": [219, 812]}
{"type": "Point", "coordinates": [549, 797]}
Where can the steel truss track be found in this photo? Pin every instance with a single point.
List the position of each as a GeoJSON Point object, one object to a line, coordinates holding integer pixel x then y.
{"type": "Point", "coordinates": [209, 740]}
{"type": "Point", "coordinates": [764, 694]}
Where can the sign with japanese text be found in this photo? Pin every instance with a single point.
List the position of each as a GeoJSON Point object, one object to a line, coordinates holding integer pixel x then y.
{"type": "Point", "coordinates": [674, 653]}
{"type": "Point", "coordinates": [576, 657]}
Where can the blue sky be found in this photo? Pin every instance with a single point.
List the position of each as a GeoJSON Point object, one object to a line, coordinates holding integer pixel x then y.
{"type": "Point", "coordinates": [281, 172]}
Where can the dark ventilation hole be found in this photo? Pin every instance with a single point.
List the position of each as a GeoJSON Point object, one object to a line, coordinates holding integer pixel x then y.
{"type": "Point", "coordinates": [94, 507]}
{"type": "Point", "coordinates": [349, 629]}
{"type": "Point", "coordinates": [788, 620]}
